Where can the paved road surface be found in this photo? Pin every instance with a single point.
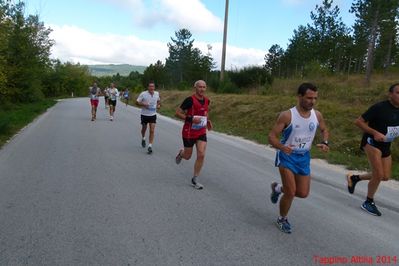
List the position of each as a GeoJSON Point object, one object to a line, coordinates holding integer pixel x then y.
{"type": "Point", "coordinates": [76, 192]}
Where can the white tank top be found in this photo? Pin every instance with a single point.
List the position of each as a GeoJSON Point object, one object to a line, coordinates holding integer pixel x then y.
{"type": "Point", "coordinates": [300, 132]}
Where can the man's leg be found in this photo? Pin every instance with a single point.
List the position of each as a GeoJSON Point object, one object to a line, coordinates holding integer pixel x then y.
{"type": "Point", "coordinates": [152, 132]}
{"type": "Point", "coordinates": [199, 162]}
{"type": "Point", "coordinates": [387, 166]}
{"type": "Point", "coordinates": [95, 112]}
{"type": "Point", "coordinates": [302, 186]}
{"type": "Point", "coordinates": [293, 185]}
{"type": "Point", "coordinates": [201, 148]}
{"type": "Point", "coordinates": [288, 189]}
{"type": "Point", "coordinates": [377, 169]}
{"type": "Point", "coordinates": [186, 153]}
{"type": "Point", "coordinates": [151, 138]}
{"type": "Point", "coordinates": [143, 131]}
{"type": "Point", "coordinates": [92, 112]}
{"type": "Point", "coordinates": [95, 109]}
{"type": "Point", "coordinates": [380, 170]}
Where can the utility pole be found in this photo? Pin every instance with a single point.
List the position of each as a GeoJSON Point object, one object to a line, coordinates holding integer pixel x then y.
{"type": "Point", "coordinates": [226, 15]}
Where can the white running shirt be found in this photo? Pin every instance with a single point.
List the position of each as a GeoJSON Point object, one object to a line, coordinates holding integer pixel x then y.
{"type": "Point", "coordinates": [300, 133]}
{"type": "Point", "coordinates": [113, 94]}
{"type": "Point", "coordinates": [152, 100]}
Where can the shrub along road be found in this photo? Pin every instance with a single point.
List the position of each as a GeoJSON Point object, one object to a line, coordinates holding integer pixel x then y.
{"type": "Point", "coordinates": [76, 192]}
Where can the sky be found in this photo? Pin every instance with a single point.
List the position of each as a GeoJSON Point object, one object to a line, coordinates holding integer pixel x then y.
{"type": "Point", "coordinates": [137, 32]}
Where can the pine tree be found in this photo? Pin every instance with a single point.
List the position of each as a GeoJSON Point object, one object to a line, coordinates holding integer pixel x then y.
{"type": "Point", "coordinates": [185, 63]}
{"type": "Point", "coordinates": [376, 21]}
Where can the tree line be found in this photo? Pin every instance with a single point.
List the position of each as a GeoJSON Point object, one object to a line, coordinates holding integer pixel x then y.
{"type": "Point", "coordinates": [186, 64]}
{"type": "Point", "coordinates": [27, 74]}
{"type": "Point", "coordinates": [324, 46]}
{"type": "Point", "coordinates": [328, 46]}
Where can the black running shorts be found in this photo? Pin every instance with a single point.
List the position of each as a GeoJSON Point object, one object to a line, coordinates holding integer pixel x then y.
{"type": "Point", "coordinates": [112, 102]}
{"type": "Point", "coordinates": [145, 119]}
{"type": "Point", "coordinates": [189, 142]}
{"type": "Point", "coordinates": [384, 147]}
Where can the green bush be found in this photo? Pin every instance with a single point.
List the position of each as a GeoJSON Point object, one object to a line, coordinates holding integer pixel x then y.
{"type": "Point", "coordinates": [315, 70]}
{"type": "Point", "coordinates": [227, 86]}
{"type": "Point", "coordinates": [4, 124]}
{"type": "Point", "coordinates": [248, 77]}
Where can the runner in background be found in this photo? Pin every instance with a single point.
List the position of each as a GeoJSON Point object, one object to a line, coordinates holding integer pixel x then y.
{"type": "Point", "coordinates": [194, 111]}
{"type": "Point", "coordinates": [126, 96]}
{"type": "Point", "coordinates": [94, 93]}
{"type": "Point", "coordinates": [113, 96]}
{"type": "Point", "coordinates": [149, 101]}
{"type": "Point", "coordinates": [380, 126]}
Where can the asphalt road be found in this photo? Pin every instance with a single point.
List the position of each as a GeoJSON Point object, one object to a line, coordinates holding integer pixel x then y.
{"type": "Point", "coordinates": [76, 192]}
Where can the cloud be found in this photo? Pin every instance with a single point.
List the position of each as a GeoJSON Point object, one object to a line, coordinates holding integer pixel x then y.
{"type": "Point", "coordinates": [80, 46]}
{"type": "Point", "coordinates": [236, 57]}
{"type": "Point", "coordinates": [191, 14]}
{"type": "Point", "coordinates": [77, 45]}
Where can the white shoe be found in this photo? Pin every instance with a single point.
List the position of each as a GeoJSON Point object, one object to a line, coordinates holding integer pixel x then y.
{"type": "Point", "coordinates": [195, 184]}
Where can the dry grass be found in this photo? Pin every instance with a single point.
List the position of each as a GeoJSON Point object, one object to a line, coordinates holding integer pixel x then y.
{"type": "Point", "coordinates": [341, 100]}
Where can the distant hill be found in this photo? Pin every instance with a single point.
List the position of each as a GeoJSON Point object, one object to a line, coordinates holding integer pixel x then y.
{"type": "Point", "coordinates": [109, 70]}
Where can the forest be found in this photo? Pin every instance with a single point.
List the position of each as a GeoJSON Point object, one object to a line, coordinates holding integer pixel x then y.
{"type": "Point", "coordinates": [324, 47]}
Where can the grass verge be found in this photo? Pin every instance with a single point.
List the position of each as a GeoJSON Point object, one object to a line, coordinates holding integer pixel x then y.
{"type": "Point", "coordinates": [13, 117]}
{"type": "Point", "coordinates": [252, 116]}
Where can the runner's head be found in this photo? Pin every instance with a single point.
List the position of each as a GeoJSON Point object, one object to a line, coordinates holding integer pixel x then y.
{"type": "Point", "coordinates": [151, 87]}
{"type": "Point", "coordinates": [307, 96]}
{"type": "Point", "coordinates": [200, 88]}
{"type": "Point", "coordinates": [394, 94]}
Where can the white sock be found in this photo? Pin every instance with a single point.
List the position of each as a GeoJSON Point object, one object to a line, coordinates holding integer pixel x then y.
{"type": "Point", "coordinates": [144, 138]}
{"type": "Point", "coordinates": [150, 145]}
{"type": "Point", "coordinates": [278, 188]}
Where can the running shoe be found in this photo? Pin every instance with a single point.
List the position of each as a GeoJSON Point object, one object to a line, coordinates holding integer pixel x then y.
{"type": "Point", "coordinates": [370, 208]}
{"type": "Point", "coordinates": [179, 157]}
{"type": "Point", "coordinates": [274, 195]}
{"type": "Point", "coordinates": [195, 184]}
{"type": "Point", "coordinates": [149, 150]}
{"type": "Point", "coordinates": [352, 181]}
{"type": "Point", "coordinates": [143, 143]}
{"type": "Point", "coordinates": [283, 225]}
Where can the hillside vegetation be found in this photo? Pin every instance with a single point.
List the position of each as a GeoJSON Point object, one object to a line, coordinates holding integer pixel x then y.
{"type": "Point", "coordinates": [114, 69]}
{"type": "Point", "coordinates": [252, 115]}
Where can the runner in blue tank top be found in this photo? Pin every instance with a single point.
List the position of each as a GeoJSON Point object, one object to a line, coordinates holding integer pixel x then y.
{"type": "Point", "coordinates": [297, 127]}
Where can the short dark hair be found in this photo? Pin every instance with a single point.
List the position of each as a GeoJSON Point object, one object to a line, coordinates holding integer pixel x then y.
{"type": "Point", "coordinates": [304, 87]}
{"type": "Point", "coordinates": [393, 87]}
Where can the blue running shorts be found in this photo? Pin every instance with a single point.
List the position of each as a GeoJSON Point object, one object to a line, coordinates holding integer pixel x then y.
{"type": "Point", "coordinates": [298, 163]}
